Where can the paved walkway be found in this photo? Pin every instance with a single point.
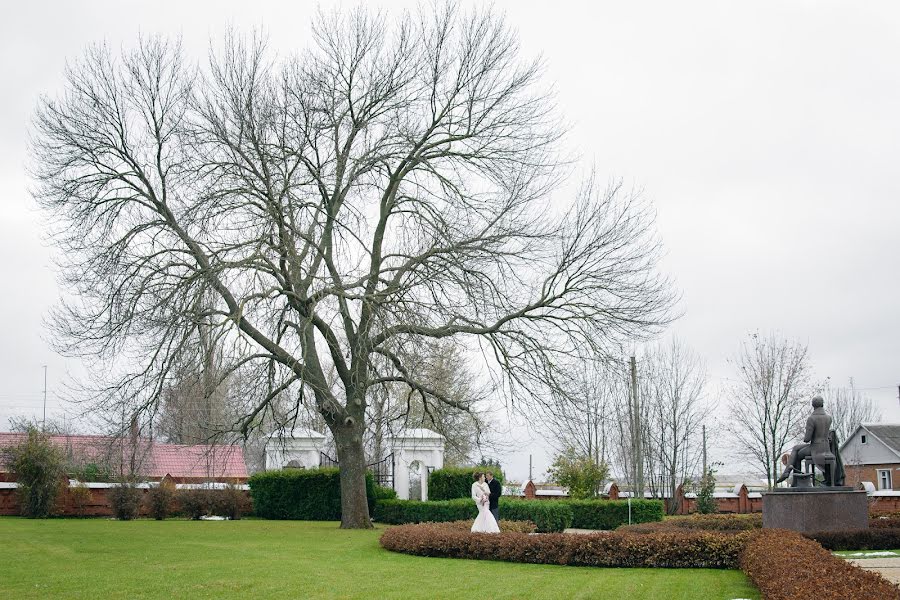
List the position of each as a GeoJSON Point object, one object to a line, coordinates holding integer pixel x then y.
{"type": "Point", "coordinates": [889, 568]}
{"type": "Point", "coordinates": [583, 531]}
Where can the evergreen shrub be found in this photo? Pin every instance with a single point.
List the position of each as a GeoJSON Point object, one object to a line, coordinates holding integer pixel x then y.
{"type": "Point", "coordinates": [456, 482]}
{"type": "Point", "coordinates": [877, 538]}
{"type": "Point", "coordinates": [546, 515]}
{"type": "Point", "coordinates": [384, 493]}
{"type": "Point", "coordinates": [397, 512]}
{"type": "Point", "coordinates": [609, 514]}
{"type": "Point", "coordinates": [301, 494]}
{"type": "Point", "coordinates": [39, 469]}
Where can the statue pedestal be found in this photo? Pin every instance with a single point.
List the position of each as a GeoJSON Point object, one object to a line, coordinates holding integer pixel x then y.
{"type": "Point", "coordinates": [815, 509]}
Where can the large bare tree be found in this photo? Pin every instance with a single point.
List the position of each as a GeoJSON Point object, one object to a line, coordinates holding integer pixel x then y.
{"type": "Point", "coordinates": [769, 400]}
{"type": "Point", "coordinates": [398, 181]}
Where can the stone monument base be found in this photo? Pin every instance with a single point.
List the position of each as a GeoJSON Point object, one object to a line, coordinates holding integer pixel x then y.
{"type": "Point", "coordinates": [815, 509]}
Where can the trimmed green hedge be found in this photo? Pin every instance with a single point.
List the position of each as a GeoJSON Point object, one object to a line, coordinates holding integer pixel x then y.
{"type": "Point", "coordinates": [384, 493]}
{"type": "Point", "coordinates": [398, 512]}
{"type": "Point", "coordinates": [547, 516]}
{"type": "Point", "coordinates": [609, 514]}
{"type": "Point", "coordinates": [456, 482]}
{"type": "Point", "coordinates": [301, 494]}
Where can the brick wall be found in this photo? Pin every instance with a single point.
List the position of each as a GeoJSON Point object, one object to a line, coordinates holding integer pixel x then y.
{"type": "Point", "coordinates": [97, 506]}
{"type": "Point", "coordinates": [856, 474]}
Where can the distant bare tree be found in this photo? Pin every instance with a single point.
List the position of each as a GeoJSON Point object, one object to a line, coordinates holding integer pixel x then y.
{"type": "Point", "coordinates": [673, 379]}
{"type": "Point", "coordinates": [193, 408]}
{"type": "Point", "coordinates": [581, 420]}
{"type": "Point", "coordinates": [462, 423]}
{"type": "Point", "coordinates": [848, 408]}
{"type": "Point", "coordinates": [770, 399]}
{"type": "Point", "coordinates": [388, 187]}
{"type": "Point", "coordinates": [49, 426]}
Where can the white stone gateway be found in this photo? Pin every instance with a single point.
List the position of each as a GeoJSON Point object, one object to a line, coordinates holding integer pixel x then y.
{"type": "Point", "coordinates": [299, 447]}
{"type": "Point", "coordinates": [417, 452]}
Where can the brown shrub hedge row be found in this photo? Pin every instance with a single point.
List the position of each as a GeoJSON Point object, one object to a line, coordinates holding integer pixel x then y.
{"type": "Point", "coordinates": [685, 549]}
{"type": "Point", "coordinates": [892, 522]}
{"type": "Point", "coordinates": [514, 526]}
{"type": "Point", "coordinates": [785, 565]}
{"type": "Point", "coordinates": [725, 523]}
{"type": "Point", "coordinates": [858, 539]}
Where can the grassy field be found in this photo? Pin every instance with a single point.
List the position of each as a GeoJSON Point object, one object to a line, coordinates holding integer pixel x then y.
{"type": "Point", "coordinates": [94, 558]}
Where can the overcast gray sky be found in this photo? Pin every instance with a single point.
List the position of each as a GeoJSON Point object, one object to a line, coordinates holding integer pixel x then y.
{"type": "Point", "coordinates": [767, 134]}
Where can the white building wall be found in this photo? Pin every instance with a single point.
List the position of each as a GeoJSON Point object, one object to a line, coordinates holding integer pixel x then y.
{"type": "Point", "coordinates": [873, 452]}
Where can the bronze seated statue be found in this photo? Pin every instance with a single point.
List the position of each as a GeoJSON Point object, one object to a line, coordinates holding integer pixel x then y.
{"type": "Point", "coordinates": [820, 445]}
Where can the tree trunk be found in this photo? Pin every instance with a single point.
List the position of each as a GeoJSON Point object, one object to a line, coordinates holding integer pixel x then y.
{"type": "Point", "coordinates": [352, 458]}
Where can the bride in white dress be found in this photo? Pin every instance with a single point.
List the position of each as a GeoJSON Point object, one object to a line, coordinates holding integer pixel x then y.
{"type": "Point", "coordinates": [484, 522]}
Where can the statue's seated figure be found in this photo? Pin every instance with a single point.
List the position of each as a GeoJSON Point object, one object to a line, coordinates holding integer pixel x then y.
{"type": "Point", "coordinates": [820, 444]}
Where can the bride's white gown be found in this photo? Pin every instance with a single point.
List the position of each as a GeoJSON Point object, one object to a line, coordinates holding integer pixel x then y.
{"type": "Point", "coordinates": [484, 522]}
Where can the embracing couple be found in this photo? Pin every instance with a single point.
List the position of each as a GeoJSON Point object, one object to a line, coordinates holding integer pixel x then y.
{"type": "Point", "coordinates": [486, 493]}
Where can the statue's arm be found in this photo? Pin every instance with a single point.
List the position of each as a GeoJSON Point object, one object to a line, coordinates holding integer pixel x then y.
{"type": "Point", "coordinates": [810, 430]}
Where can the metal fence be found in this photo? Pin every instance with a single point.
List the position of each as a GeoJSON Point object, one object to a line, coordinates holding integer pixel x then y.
{"type": "Point", "coordinates": [382, 470]}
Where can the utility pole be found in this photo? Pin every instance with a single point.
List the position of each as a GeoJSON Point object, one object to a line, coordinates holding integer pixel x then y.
{"type": "Point", "coordinates": [44, 420]}
{"type": "Point", "coordinates": [636, 433]}
{"type": "Point", "coordinates": [704, 451]}
{"type": "Point", "coordinates": [529, 468]}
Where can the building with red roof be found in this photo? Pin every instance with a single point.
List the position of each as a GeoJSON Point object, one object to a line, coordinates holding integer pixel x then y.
{"type": "Point", "coordinates": [149, 460]}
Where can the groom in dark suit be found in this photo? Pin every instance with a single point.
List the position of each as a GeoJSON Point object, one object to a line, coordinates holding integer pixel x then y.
{"type": "Point", "coordinates": [496, 492]}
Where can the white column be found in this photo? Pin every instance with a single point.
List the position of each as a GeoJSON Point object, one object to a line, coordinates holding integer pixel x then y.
{"type": "Point", "coordinates": [401, 475]}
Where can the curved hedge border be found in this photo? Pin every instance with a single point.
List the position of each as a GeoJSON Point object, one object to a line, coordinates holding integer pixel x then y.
{"type": "Point", "coordinates": [613, 549]}
{"type": "Point", "coordinates": [514, 526]}
{"type": "Point", "coordinates": [879, 538]}
{"type": "Point", "coordinates": [732, 523]}
{"type": "Point", "coordinates": [785, 565]}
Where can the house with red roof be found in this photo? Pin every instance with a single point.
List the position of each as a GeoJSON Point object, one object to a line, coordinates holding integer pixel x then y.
{"type": "Point", "coordinates": [146, 459]}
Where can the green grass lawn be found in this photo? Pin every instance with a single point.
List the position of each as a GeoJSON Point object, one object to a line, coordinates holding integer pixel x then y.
{"type": "Point", "coordinates": [98, 558]}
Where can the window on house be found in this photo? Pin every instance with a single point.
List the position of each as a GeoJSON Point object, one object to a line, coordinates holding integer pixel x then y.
{"type": "Point", "coordinates": [884, 479]}
{"type": "Point", "coordinates": [863, 439]}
